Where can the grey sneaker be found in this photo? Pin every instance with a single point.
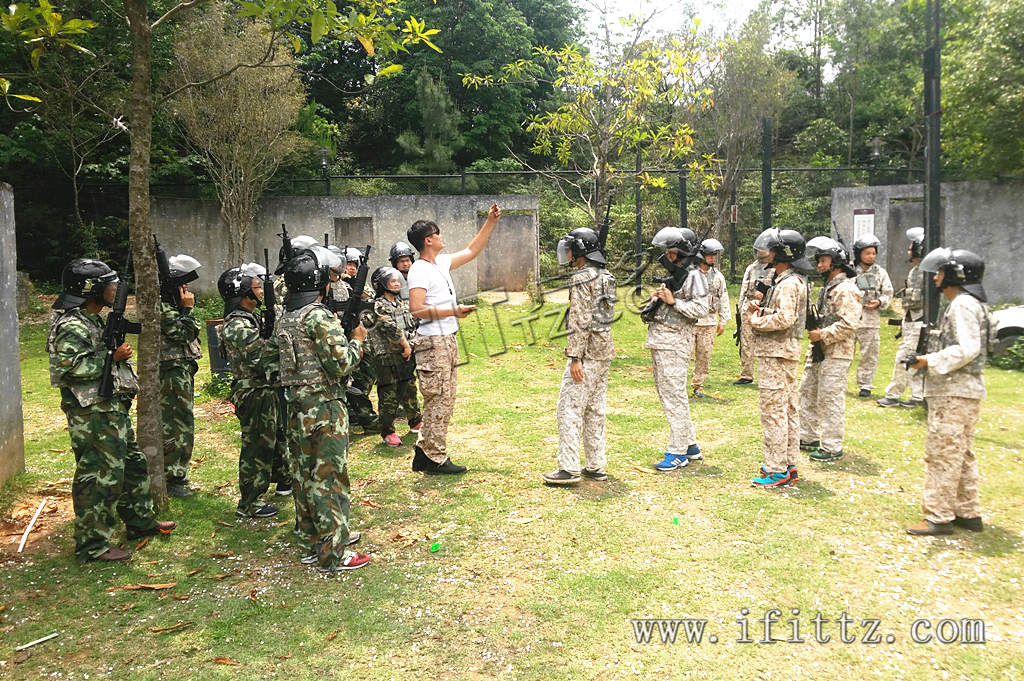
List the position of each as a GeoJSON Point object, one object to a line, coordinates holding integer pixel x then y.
{"type": "Point", "coordinates": [264, 511]}
{"type": "Point", "coordinates": [911, 404]}
{"type": "Point", "coordinates": [561, 477]}
{"type": "Point", "coordinates": [595, 474]}
{"type": "Point", "coordinates": [888, 402]}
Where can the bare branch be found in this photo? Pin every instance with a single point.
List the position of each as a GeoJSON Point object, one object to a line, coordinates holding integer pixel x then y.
{"type": "Point", "coordinates": [174, 10]}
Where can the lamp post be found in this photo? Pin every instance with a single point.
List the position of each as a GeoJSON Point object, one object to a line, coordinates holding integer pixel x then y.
{"type": "Point", "coordinates": [876, 156]}
{"type": "Point", "coordinates": [323, 153]}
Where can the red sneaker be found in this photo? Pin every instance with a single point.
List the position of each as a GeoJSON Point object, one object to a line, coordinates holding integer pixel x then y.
{"type": "Point", "coordinates": [416, 428]}
{"type": "Point", "coordinates": [351, 561]}
{"type": "Point", "coordinates": [392, 440]}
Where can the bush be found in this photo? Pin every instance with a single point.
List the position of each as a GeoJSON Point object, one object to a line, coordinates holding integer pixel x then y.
{"type": "Point", "coordinates": [219, 385]}
{"type": "Point", "coordinates": [1012, 359]}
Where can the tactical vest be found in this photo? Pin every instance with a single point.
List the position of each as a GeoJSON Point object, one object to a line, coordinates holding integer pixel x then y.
{"type": "Point", "coordinates": [867, 282]}
{"type": "Point", "coordinates": [913, 294]}
{"type": "Point", "coordinates": [827, 314]}
{"type": "Point", "coordinates": [764, 275]}
{"type": "Point", "coordinates": [240, 369]}
{"type": "Point", "coordinates": [797, 330]}
{"type": "Point", "coordinates": [169, 350]}
{"type": "Point", "coordinates": [299, 362]}
{"type": "Point", "coordinates": [693, 287]}
{"type": "Point", "coordinates": [603, 285]}
{"type": "Point", "coordinates": [945, 336]}
{"type": "Point", "coordinates": [87, 393]}
{"type": "Point", "coordinates": [398, 311]}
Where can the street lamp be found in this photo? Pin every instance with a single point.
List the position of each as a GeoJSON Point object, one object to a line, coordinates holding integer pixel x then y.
{"type": "Point", "coordinates": [876, 156]}
{"type": "Point", "coordinates": [324, 152]}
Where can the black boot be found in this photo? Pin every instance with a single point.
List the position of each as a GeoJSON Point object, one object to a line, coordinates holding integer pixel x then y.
{"type": "Point", "coordinates": [421, 462]}
{"type": "Point", "coordinates": [447, 468]}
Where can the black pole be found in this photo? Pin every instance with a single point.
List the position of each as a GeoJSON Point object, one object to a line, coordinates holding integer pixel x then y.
{"type": "Point", "coordinates": [732, 238]}
{"type": "Point", "coordinates": [766, 174]}
{"type": "Point", "coordinates": [638, 241]}
{"type": "Point", "coordinates": [933, 147]}
{"type": "Point", "coordinates": [682, 198]}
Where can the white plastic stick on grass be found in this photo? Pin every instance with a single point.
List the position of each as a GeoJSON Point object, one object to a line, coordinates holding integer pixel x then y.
{"type": "Point", "coordinates": [24, 537]}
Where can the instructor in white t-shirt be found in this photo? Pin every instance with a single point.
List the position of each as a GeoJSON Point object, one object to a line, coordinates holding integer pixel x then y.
{"type": "Point", "coordinates": [432, 298]}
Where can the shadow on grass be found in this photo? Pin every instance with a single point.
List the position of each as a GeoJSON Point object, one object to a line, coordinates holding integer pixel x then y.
{"type": "Point", "coordinates": [995, 541]}
{"type": "Point", "coordinates": [853, 463]}
{"type": "Point", "coordinates": [699, 470]}
{"type": "Point", "coordinates": [805, 490]}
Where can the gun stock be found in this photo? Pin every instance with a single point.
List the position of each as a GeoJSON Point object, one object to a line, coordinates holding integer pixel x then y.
{"type": "Point", "coordinates": [350, 318]}
{"type": "Point", "coordinates": [269, 299]}
{"type": "Point", "coordinates": [164, 268]}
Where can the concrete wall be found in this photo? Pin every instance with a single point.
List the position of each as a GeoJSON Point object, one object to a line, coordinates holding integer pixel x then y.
{"type": "Point", "coordinates": [984, 217]}
{"type": "Point", "coordinates": [193, 226]}
{"type": "Point", "coordinates": [12, 443]}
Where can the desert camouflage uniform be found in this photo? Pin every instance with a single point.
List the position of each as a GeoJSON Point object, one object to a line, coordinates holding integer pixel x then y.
{"type": "Point", "coordinates": [913, 320]}
{"type": "Point", "coordinates": [111, 478]}
{"type": "Point", "coordinates": [778, 326]}
{"type": "Point", "coordinates": [670, 340]}
{"type": "Point", "coordinates": [315, 357]}
{"type": "Point", "coordinates": [707, 326]}
{"type": "Point", "coordinates": [179, 336]}
{"type": "Point", "coordinates": [254, 366]}
{"type": "Point", "coordinates": [823, 387]}
{"type": "Point", "coordinates": [581, 406]}
{"type": "Point", "coordinates": [437, 359]}
{"type": "Point", "coordinates": [954, 387]}
{"type": "Point", "coordinates": [875, 283]}
{"type": "Point", "coordinates": [388, 323]}
{"type": "Point", "coordinates": [755, 272]}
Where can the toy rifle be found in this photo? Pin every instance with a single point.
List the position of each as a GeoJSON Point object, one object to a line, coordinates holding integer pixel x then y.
{"type": "Point", "coordinates": [286, 249]}
{"type": "Point", "coordinates": [350, 319]}
{"type": "Point", "coordinates": [172, 292]}
{"type": "Point", "coordinates": [269, 299]}
{"type": "Point", "coordinates": [814, 322]}
{"type": "Point", "coordinates": [114, 331]}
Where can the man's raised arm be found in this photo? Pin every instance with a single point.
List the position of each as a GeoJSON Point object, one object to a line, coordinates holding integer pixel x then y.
{"type": "Point", "coordinates": [480, 240]}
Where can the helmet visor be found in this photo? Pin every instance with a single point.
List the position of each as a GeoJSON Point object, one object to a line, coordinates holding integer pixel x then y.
{"type": "Point", "coordinates": [821, 244]}
{"type": "Point", "coordinates": [936, 259]}
{"type": "Point", "coordinates": [767, 239]}
{"type": "Point", "coordinates": [915, 235]}
{"type": "Point", "coordinates": [564, 251]}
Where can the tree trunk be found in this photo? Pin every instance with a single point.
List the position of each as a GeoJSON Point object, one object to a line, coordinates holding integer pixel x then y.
{"type": "Point", "coordinates": [150, 421]}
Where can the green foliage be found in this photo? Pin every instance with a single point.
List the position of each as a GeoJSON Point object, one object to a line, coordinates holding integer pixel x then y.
{"type": "Point", "coordinates": [219, 385]}
{"type": "Point", "coordinates": [431, 150]}
{"type": "Point", "coordinates": [1012, 359]}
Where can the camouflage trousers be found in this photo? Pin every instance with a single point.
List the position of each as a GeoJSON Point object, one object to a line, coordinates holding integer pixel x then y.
{"type": "Point", "coordinates": [950, 467]}
{"type": "Point", "coordinates": [111, 478]}
{"type": "Point", "coordinates": [396, 387]}
{"type": "Point", "coordinates": [869, 341]}
{"type": "Point", "coordinates": [901, 378]}
{"type": "Point", "coordinates": [780, 419]}
{"type": "Point", "coordinates": [318, 457]}
{"type": "Point", "coordinates": [823, 402]}
{"type": "Point", "coordinates": [746, 349]}
{"type": "Point", "coordinates": [360, 409]}
{"type": "Point", "coordinates": [437, 359]}
{"type": "Point", "coordinates": [703, 344]}
{"type": "Point", "coordinates": [670, 381]}
{"type": "Point", "coordinates": [263, 457]}
{"type": "Point", "coordinates": [177, 387]}
{"type": "Point", "coordinates": [581, 408]}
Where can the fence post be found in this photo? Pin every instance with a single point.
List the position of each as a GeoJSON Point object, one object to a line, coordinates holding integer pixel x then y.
{"type": "Point", "coordinates": [682, 198]}
{"type": "Point", "coordinates": [766, 173]}
{"type": "Point", "coordinates": [733, 216]}
{"type": "Point", "coordinates": [638, 243]}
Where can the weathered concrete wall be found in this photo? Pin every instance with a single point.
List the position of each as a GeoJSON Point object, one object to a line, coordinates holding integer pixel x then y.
{"type": "Point", "coordinates": [193, 226]}
{"type": "Point", "coordinates": [985, 217]}
{"type": "Point", "coordinates": [12, 443]}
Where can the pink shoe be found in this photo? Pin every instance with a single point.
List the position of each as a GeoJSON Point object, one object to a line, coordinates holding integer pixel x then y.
{"type": "Point", "coordinates": [392, 440]}
{"type": "Point", "coordinates": [416, 428]}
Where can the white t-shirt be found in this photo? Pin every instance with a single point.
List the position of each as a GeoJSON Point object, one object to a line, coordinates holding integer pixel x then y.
{"type": "Point", "coordinates": [437, 281]}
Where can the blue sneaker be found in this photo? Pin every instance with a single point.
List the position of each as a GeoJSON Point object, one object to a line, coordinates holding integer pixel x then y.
{"type": "Point", "coordinates": [790, 470]}
{"type": "Point", "coordinates": [693, 453]}
{"type": "Point", "coordinates": [671, 462]}
{"type": "Point", "coordinates": [771, 480]}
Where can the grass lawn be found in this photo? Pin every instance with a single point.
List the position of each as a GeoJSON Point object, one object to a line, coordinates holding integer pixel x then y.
{"type": "Point", "coordinates": [529, 582]}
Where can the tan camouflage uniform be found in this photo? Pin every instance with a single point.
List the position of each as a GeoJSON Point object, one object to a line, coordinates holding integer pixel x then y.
{"type": "Point", "coordinates": [913, 320]}
{"type": "Point", "coordinates": [954, 387]}
{"type": "Point", "coordinates": [437, 359]}
{"type": "Point", "coordinates": [581, 406]}
{"type": "Point", "coordinates": [875, 283]}
{"type": "Point", "coordinates": [823, 387]}
{"type": "Point", "coordinates": [778, 326]}
{"type": "Point", "coordinates": [755, 271]}
{"type": "Point", "coordinates": [670, 340]}
{"type": "Point", "coordinates": [707, 326]}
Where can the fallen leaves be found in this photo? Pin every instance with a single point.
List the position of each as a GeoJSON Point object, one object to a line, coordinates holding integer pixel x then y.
{"type": "Point", "coordinates": [142, 543]}
{"type": "Point", "coordinates": [139, 587]}
{"type": "Point", "coordinates": [193, 572]}
{"type": "Point", "coordinates": [176, 627]}
{"type": "Point", "coordinates": [226, 660]}
{"type": "Point", "coordinates": [334, 634]}
{"type": "Point", "coordinates": [221, 554]}
{"type": "Point", "coordinates": [221, 522]}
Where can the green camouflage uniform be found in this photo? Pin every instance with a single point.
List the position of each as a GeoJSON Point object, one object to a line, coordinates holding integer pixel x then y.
{"type": "Point", "coordinates": [179, 336]}
{"type": "Point", "coordinates": [315, 357]}
{"type": "Point", "coordinates": [388, 323]}
{"type": "Point", "coordinates": [111, 478]}
{"type": "Point", "coordinates": [360, 383]}
{"type": "Point", "coordinates": [254, 366]}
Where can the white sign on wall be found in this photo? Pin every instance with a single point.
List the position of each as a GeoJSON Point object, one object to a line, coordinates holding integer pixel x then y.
{"type": "Point", "coordinates": [863, 222]}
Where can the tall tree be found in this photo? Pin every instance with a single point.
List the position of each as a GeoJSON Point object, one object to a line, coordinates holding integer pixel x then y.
{"type": "Point", "coordinates": [239, 125]}
{"type": "Point", "coordinates": [431, 150]}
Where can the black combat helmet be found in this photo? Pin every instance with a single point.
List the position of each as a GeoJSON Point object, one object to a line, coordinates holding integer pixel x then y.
{"type": "Point", "coordinates": [709, 247]}
{"type": "Point", "coordinates": [401, 250]}
{"type": "Point", "coordinates": [788, 246]}
{"type": "Point", "coordinates": [84, 278]}
{"type": "Point", "coordinates": [580, 243]}
{"type": "Point", "coordinates": [862, 242]}
{"type": "Point", "coordinates": [381, 276]}
{"type": "Point", "coordinates": [915, 235]}
{"type": "Point", "coordinates": [306, 279]}
{"type": "Point", "coordinates": [236, 283]}
{"type": "Point", "coordinates": [960, 267]}
{"type": "Point", "coordinates": [824, 245]}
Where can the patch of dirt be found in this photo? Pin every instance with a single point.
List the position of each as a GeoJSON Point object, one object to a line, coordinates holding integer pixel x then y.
{"type": "Point", "coordinates": [215, 409]}
{"type": "Point", "coordinates": [57, 513]}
